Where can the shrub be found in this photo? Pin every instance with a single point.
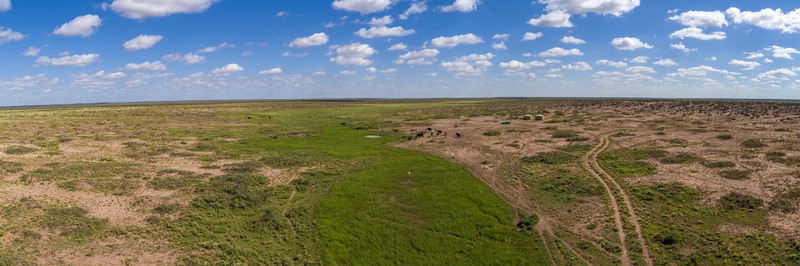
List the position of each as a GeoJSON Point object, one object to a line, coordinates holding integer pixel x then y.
{"type": "Point", "coordinates": [782, 205]}
{"type": "Point", "coordinates": [753, 144]}
{"type": "Point", "coordinates": [553, 157]}
{"type": "Point", "coordinates": [527, 222]}
{"type": "Point", "coordinates": [19, 150]}
{"type": "Point", "coordinates": [681, 158]}
{"type": "Point", "coordinates": [735, 202]}
{"type": "Point", "coordinates": [577, 139]}
{"type": "Point", "coordinates": [668, 238]}
{"type": "Point", "coordinates": [564, 134]}
{"type": "Point", "coordinates": [492, 133]}
{"type": "Point", "coordinates": [724, 137]}
{"type": "Point", "coordinates": [720, 164]}
{"type": "Point", "coordinates": [735, 174]}
{"type": "Point", "coordinates": [167, 208]}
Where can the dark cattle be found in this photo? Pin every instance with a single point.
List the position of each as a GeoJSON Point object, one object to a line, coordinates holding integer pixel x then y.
{"type": "Point", "coordinates": [270, 117]}
{"type": "Point", "coordinates": [429, 129]}
{"type": "Point", "coordinates": [249, 117]}
{"type": "Point", "coordinates": [445, 134]}
{"type": "Point", "coordinates": [344, 123]}
{"type": "Point", "coordinates": [420, 134]}
{"type": "Point", "coordinates": [458, 135]}
{"type": "Point", "coordinates": [438, 131]}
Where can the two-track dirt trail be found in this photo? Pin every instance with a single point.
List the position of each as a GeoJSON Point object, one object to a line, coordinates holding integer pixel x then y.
{"type": "Point", "coordinates": [591, 165]}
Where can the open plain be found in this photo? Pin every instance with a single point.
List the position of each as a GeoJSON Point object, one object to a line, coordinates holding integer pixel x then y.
{"type": "Point", "coordinates": [596, 182]}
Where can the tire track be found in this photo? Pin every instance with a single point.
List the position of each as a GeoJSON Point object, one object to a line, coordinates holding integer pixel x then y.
{"type": "Point", "coordinates": [592, 156]}
{"type": "Point", "coordinates": [605, 142]}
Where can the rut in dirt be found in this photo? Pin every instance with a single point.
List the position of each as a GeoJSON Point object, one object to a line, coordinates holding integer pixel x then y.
{"type": "Point", "coordinates": [589, 161]}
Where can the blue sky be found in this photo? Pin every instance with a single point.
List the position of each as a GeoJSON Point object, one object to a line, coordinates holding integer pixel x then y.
{"type": "Point", "coordinates": [153, 50]}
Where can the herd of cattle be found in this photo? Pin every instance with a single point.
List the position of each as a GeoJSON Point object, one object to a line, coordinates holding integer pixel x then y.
{"type": "Point", "coordinates": [431, 131]}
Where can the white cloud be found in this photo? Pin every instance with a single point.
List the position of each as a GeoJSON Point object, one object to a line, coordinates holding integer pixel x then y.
{"type": "Point", "coordinates": [712, 59]}
{"type": "Point", "coordinates": [382, 21]}
{"type": "Point", "coordinates": [421, 57]}
{"type": "Point", "coordinates": [282, 14]}
{"type": "Point", "coordinates": [579, 66]}
{"type": "Point", "coordinates": [744, 65]}
{"type": "Point", "coordinates": [416, 8]}
{"type": "Point", "coordinates": [700, 71]}
{"type": "Point", "coordinates": [139, 9]}
{"type": "Point", "coordinates": [558, 51]}
{"type": "Point", "coordinates": [462, 6]}
{"type": "Point", "coordinates": [530, 36]}
{"type": "Point", "coordinates": [499, 46]}
{"type": "Point", "coordinates": [372, 70]}
{"type": "Point", "coordinates": [681, 47]}
{"type": "Point", "coordinates": [701, 19]}
{"type": "Point", "coordinates": [771, 19]}
{"type": "Point", "coordinates": [315, 39]}
{"type": "Point", "coordinates": [272, 71]}
{"type": "Point", "coordinates": [604, 7]}
{"type": "Point", "coordinates": [348, 72]}
{"type": "Point", "coordinates": [639, 60]}
{"type": "Point", "coordinates": [604, 62]}
{"type": "Point", "coordinates": [572, 40]}
{"type": "Point", "coordinates": [753, 55]}
{"type": "Point", "coordinates": [298, 55]}
{"type": "Point", "coordinates": [227, 69]}
{"type": "Point", "coordinates": [83, 26]}
{"type": "Point", "coordinates": [388, 71]}
{"type": "Point", "coordinates": [32, 51]}
{"type": "Point", "coordinates": [69, 60]}
{"type": "Point", "coordinates": [514, 66]}
{"type": "Point", "coordinates": [782, 52]}
{"type": "Point", "coordinates": [697, 33]}
{"type": "Point", "coordinates": [188, 59]}
{"type": "Point", "coordinates": [152, 66]}
{"type": "Point", "coordinates": [383, 31]}
{"type": "Point", "coordinates": [398, 47]}
{"type": "Point", "coordinates": [7, 35]}
{"type": "Point", "coordinates": [501, 36]}
{"type": "Point", "coordinates": [629, 43]}
{"type": "Point", "coordinates": [356, 54]}
{"type": "Point", "coordinates": [5, 5]}
{"type": "Point", "coordinates": [665, 62]}
{"type": "Point", "coordinates": [767, 60]}
{"type": "Point", "coordinates": [362, 6]}
{"type": "Point", "coordinates": [453, 41]}
{"type": "Point", "coordinates": [640, 69]}
{"type": "Point", "coordinates": [212, 49]}
{"type": "Point", "coordinates": [142, 42]}
{"type": "Point", "coordinates": [555, 19]}
{"type": "Point", "coordinates": [470, 65]}
{"type": "Point", "coordinates": [777, 74]}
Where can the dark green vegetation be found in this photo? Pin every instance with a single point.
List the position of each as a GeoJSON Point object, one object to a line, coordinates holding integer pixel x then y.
{"type": "Point", "coordinates": [753, 144]}
{"type": "Point", "coordinates": [492, 133]}
{"type": "Point", "coordinates": [19, 150]}
{"type": "Point", "coordinates": [736, 174]}
{"type": "Point", "coordinates": [628, 162]}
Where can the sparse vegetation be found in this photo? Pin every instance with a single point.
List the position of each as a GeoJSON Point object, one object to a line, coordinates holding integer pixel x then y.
{"type": "Point", "coordinates": [735, 202]}
{"type": "Point", "coordinates": [492, 133]}
{"type": "Point", "coordinates": [735, 174]}
{"type": "Point", "coordinates": [753, 144]}
{"type": "Point", "coordinates": [19, 150]}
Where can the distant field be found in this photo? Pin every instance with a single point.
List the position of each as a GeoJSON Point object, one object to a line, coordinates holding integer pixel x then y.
{"type": "Point", "coordinates": [705, 182]}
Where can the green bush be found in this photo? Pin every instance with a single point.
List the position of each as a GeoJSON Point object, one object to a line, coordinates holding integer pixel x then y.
{"type": "Point", "coordinates": [736, 202]}
{"type": "Point", "coordinates": [719, 164]}
{"type": "Point", "coordinates": [724, 137]}
{"type": "Point", "coordinates": [753, 144]}
{"type": "Point", "coordinates": [735, 174]}
{"type": "Point", "coordinates": [681, 158]}
{"type": "Point", "coordinates": [564, 134]}
{"type": "Point", "coordinates": [553, 157]}
{"type": "Point", "coordinates": [492, 133]}
{"type": "Point", "coordinates": [19, 150]}
{"type": "Point", "coordinates": [527, 222]}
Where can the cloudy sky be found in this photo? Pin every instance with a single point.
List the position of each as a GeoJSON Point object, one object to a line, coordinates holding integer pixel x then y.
{"type": "Point", "coordinates": [151, 50]}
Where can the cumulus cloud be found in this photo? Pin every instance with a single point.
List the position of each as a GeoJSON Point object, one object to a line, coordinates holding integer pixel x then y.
{"type": "Point", "coordinates": [629, 44]}
{"type": "Point", "coordinates": [701, 19]}
{"type": "Point", "coordinates": [416, 8]}
{"type": "Point", "coordinates": [383, 31]}
{"type": "Point", "coordinates": [142, 42]}
{"type": "Point", "coordinates": [681, 47]}
{"type": "Point", "coordinates": [315, 39]}
{"type": "Point", "coordinates": [503, 36]}
{"type": "Point", "coordinates": [453, 41]}
{"type": "Point", "coordinates": [777, 74]}
{"type": "Point", "coordinates": [640, 69]}
{"type": "Point", "coordinates": [32, 51]}
{"type": "Point", "coordinates": [382, 21]}
{"type": "Point", "coordinates": [753, 55]}
{"type": "Point", "coordinates": [462, 6]}
{"type": "Point", "coordinates": [281, 14]}
{"type": "Point", "coordinates": [5, 5]}
{"type": "Point", "coordinates": [421, 57]}
{"type": "Point", "coordinates": [212, 49]}
{"type": "Point", "coordinates": [744, 65]}
{"type": "Point", "coordinates": [355, 54]}
{"type": "Point", "coordinates": [152, 66]}
{"type": "Point", "coordinates": [530, 36]}
{"type": "Point", "coordinates": [558, 51]}
{"type": "Point", "coordinates": [605, 62]}
{"type": "Point", "coordinates": [514, 66]}
{"type": "Point", "coordinates": [665, 62]}
{"type": "Point", "coordinates": [69, 60]}
{"type": "Point", "coordinates": [767, 18]}
{"type": "Point", "coordinates": [555, 19]}
{"type": "Point", "coordinates": [83, 26]}
{"type": "Point", "coordinates": [271, 71]}
{"type": "Point", "coordinates": [189, 59]}
{"type": "Point", "coordinates": [572, 40]}
{"type": "Point", "coordinates": [362, 6]}
{"type": "Point", "coordinates": [782, 52]}
{"type": "Point", "coordinates": [470, 65]}
{"type": "Point", "coordinates": [579, 66]}
{"type": "Point", "coordinates": [697, 33]}
{"type": "Point", "coordinates": [140, 9]}
{"type": "Point", "coordinates": [603, 7]}
{"type": "Point", "coordinates": [8, 35]}
{"type": "Point", "coordinates": [398, 47]}
{"type": "Point", "coordinates": [640, 60]}
{"type": "Point", "coordinates": [700, 71]}
{"type": "Point", "coordinates": [499, 46]}
{"type": "Point", "coordinates": [227, 69]}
